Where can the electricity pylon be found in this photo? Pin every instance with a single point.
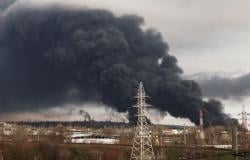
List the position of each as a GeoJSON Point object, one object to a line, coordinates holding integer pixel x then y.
{"type": "Point", "coordinates": [142, 146]}
{"type": "Point", "coordinates": [244, 117]}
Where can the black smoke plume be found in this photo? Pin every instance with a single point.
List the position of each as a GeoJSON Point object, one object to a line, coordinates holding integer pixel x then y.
{"type": "Point", "coordinates": [55, 56]}
{"type": "Point", "coordinates": [5, 4]}
{"type": "Point", "coordinates": [226, 88]}
{"type": "Point", "coordinates": [85, 115]}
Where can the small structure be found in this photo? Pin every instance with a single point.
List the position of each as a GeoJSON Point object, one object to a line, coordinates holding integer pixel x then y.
{"type": "Point", "coordinates": [91, 138]}
{"type": "Point", "coordinates": [8, 129]}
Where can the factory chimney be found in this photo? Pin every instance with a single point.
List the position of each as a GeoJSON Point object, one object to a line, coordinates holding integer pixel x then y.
{"type": "Point", "coordinates": [202, 135]}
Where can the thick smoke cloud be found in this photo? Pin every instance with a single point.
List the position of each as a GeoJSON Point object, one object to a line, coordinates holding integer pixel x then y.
{"type": "Point", "coordinates": [85, 115]}
{"type": "Point", "coordinates": [57, 113]}
{"type": "Point", "coordinates": [5, 4]}
{"type": "Point", "coordinates": [55, 56]}
{"type": "Point", "coordinates": [226, 88]}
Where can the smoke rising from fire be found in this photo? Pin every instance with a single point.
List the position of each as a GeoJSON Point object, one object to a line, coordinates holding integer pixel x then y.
{"type": "Point", "coordinates": [56, 55]}
{"type": "Point", "coordinates": [236, 88]}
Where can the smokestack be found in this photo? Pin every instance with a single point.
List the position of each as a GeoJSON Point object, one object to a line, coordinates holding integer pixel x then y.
{"type": "Point", "coordinates": [201, 120]}
{"type": "Point", "coordinates": [202, 134]}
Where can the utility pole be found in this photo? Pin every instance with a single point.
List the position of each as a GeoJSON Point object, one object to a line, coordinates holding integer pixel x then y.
{"type": "Point", "coordinates": [1, 153]}
{"type": "Point", "coordinates": [142, 146]}
{"type": "Point", "coordinates": [100, 155]}
{"type": "Point", "coordinates": [185, 136]}
{"type": "Point", "coordinates": [235, 143]}
{"type": "Point", "coordinates": [38, 137]}
{"type": "Point", "coordinates": [236, 152]}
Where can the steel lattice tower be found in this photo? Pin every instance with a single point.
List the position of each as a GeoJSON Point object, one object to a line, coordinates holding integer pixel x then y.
{"type": "Point", "coordinates": [142, 146]}
{"type": "Point", "coordinates": [244, 118]}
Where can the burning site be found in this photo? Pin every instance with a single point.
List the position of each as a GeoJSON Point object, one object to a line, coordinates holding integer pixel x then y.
{"type": "Point", "coordinates": [77, 77]}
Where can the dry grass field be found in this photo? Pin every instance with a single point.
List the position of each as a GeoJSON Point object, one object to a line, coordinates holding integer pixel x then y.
{"type": "Point", "coordinates": [56, 151]}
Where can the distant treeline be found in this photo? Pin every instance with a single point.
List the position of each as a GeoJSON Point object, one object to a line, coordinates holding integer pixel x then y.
{"type": "Point", "coordinates": [88, 124]}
